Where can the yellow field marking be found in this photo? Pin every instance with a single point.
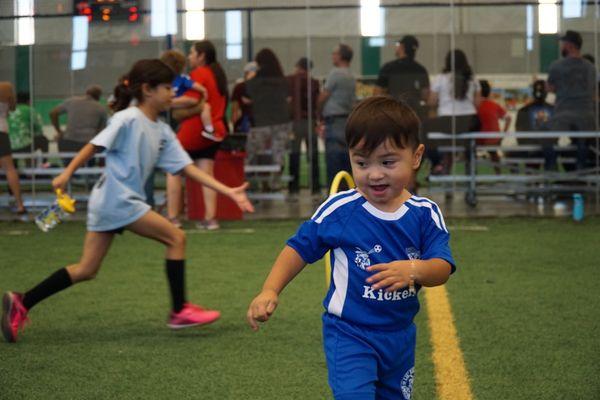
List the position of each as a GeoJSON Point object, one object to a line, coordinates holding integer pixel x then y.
{"type": "Point", "coordinates": [451, 376]}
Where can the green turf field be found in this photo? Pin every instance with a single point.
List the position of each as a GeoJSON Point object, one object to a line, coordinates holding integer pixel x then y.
{"type": "Point", "coordinates": [525, 299]}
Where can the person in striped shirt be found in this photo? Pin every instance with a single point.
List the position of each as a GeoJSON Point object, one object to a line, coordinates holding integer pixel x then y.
{"type": "Point", "coordinates": [385, 245]}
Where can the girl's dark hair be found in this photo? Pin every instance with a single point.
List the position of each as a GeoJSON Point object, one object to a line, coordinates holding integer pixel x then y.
{"type": "Point", "coordinates": [379, 118]}
{"type": "Point", "coordinates": [462, 72]}
{"type": "Point", "coordinates": [210, 57]}
{"type": "Point", "coordinates": [150, 71]}
{"type": "Point", "coordinates": [268, 64]}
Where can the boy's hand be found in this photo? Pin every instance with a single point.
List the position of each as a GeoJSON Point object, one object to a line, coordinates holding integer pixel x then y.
{"type": "Point", "coordinates": [60, 182]}
{"type": "Point", "coordinates": [391, 276]}
{"type": "Point", "coordinates": [238, 194]}
{"type": "Point", "coordinates": [261, 308]}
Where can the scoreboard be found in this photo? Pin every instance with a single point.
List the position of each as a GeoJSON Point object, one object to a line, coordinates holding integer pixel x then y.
{"type": "Point", "coordinates": [108, 10]}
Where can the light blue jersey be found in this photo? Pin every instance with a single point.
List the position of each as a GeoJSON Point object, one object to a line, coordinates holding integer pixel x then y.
{"type": "Point", "coordinates": [359, 235]}
{"type": "Point", "coordinates": [134, 145]}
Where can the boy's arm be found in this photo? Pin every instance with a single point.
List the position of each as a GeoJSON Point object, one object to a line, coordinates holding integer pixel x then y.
{"type": "Point", "coordinates": [184, 102]}
{"type": "Point", "coordinates": [286, 267]}
{"type": "Point", "coordinates": [398, 274]}
{"type": "Point", "coordinates": [199, 88]}
{"type": "Point", "coordinates": [237, 194]}
{"type": "Point", "coordinates": [87, 152]}
{"type": "Point", "coordinates": [179, 114]}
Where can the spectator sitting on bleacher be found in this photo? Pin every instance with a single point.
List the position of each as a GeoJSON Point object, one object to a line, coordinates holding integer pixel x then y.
{"type": "Point", "coordinates": [25, 126]}
{"type": "Point", "coordinates": [534, 116]}
{"type": "Point", "coordinates": [85, 118]}
{"type": "Point", "coordinates": [490, 113]}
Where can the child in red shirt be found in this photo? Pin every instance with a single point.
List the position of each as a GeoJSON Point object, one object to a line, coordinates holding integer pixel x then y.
{"type": "Point", "coordinates": [490, 113]}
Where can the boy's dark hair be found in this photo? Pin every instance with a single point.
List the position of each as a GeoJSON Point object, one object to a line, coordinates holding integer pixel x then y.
{"type": "Point", "coordinates": [379, 118]}
{"type": "Point", "coordinates": [486, 88]}
{"type": "Point", "coordinates": [174, 59]}
{"type": "Point", "coordinates": [150, 71]}
{"type": "Point", "coordinates": [346, 52]}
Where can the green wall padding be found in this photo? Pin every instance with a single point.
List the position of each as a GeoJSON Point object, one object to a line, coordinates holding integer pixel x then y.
{"type": "Point", "coordinates": [370, 58]}
{"type": "Point", "coordinates": [549, 51]}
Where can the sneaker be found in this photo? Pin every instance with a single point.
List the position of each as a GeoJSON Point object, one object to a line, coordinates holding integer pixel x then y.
{"type": "Point", "coordinates": [192, 315]}
{"type": "Point", "coordinates": [23, 215]}
{"type": "Point", "coordinates": [214, 136]}
{"type": "Point", "coordinates": [176, 222]}
{"type": "Point", "coordinates": [14, 315]}
{"type": "Point", "coordinates": [209, 225]}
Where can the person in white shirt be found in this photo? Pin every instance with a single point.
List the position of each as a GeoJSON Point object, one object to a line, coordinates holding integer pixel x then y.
{"type": "Point", "coordinates": [456, 95]}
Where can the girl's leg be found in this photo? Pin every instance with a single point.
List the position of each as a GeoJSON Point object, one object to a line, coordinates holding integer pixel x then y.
{"type": "Point", "coordinates": [174, 197]}
{"type": "Point", "coordinates": [154, 226]}
{"type": "Point", "coordinates": [95, 247]}
{"type": "Point", "coordinates": [16, 305]}
{"type": "Point", "coordinates": [12, 177]}
{"type": "Point", "coordinates": [210, 196]}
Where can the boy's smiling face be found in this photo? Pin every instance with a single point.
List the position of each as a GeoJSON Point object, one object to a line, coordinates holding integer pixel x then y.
{"type": "Point", "coordinates": [383, 175]}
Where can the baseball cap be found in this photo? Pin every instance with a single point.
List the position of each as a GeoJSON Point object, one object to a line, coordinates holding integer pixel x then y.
{"type": "Point", "coordinates": [572, 37]}
{"type": "Point", "coordinates": [410, 42]}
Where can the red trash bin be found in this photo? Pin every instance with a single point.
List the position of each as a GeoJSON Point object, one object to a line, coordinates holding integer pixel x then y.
{"type": "Point", "coordinates": [229, 169]}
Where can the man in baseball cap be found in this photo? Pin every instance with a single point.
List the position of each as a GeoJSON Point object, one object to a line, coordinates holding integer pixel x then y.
{"type": "Point", "coordinates": [573, 79]}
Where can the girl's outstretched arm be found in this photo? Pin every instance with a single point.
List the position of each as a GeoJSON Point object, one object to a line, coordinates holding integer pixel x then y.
{"type": "Point", "coordinates": [237, 194]}
{"type": "Point", "coordinates": [87, 152]}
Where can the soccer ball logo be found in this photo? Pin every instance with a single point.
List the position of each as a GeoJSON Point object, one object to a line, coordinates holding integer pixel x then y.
{"type": "Point", "coordinates": [362, 259]}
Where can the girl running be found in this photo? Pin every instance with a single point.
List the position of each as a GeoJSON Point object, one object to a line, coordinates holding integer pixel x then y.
{"type": "Point", "coordinates": [135, 142]}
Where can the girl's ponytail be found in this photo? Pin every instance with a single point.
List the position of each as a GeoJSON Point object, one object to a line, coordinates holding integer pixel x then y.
{"type": "Point", "coordinates": [122, 94]}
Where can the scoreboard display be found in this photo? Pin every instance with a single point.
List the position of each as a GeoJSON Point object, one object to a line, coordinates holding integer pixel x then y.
{"type": "Point", "coordinates": [108, 10]}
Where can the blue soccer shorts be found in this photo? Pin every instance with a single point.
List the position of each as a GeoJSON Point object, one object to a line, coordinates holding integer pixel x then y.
{"type": "Point", "coordinates": [368, 364]}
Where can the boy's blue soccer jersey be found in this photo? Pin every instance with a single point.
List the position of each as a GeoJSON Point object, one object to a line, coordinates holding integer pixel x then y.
{"type": "Point", "coordinates": [359, 235]}
{"type": "Point", "coordinates": [181, 84]}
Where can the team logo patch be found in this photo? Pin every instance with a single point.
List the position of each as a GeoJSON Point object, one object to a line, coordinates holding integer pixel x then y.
{"type": "Point", "coordinates": [413, 254]}
{"type": "Point", "coordinates": [362, 259]}
{"type": "Point", "coordinates": [407, 383]}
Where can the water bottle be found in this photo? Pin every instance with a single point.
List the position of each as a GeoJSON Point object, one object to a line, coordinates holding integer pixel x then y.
{"type": "Point", "coordinates": [53, 215]}
{"type": "Point", "coordinates": [578, 207]}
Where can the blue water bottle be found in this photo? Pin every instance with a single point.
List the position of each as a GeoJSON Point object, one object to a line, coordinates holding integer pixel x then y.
{"type": "Point", "coordinates": [577, 207]}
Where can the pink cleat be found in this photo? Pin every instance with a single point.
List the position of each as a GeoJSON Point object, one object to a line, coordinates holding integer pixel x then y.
{"type": "Point", "coordinates": [192, 315]}
{"type": "Point", "coordinates": [14, 315]}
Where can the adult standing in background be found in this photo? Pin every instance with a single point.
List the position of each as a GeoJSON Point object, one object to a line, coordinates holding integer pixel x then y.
{"type": "Point", "coordinates": [304, 104]}
{"type": "Point", "coordinates": [8, 103]}
{"type": "Point", "coordinates": [85, 118]}
{"type": "Point", "coordinates": [208, 72]}
{"type": "Point", "coordinates": [404, 78]}
{"type": "Point", "coordinates": [573, 79]}
{"type": "Point", "coordinates": [334, 104]}
{"type": "Point", "coordinates": [456, 94]}
{"type": "Point", "coordinates": [241, 109]}
{"type": "Point", "coordinates": [269, 95]}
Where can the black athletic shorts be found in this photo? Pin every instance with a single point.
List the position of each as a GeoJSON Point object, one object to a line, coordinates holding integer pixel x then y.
{"type": "Point", "coordinates": [4, 145]}
{"type": "Point", "coordinates": [206, 153]}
